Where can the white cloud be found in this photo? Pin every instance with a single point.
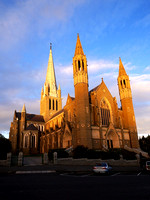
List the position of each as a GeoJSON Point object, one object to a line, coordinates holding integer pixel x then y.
{"type": "Point", "coordinates": [19, 21]}
{"type": "Point", "coordinates": [143, 119]}
{"type": "Point", "coordinates": [97, 65]}
{"type": "Point", "coordinates": [140, 85]}
{"type": "Point", "coordinates": [147, 69]}
{"type": "Point", "coordinates": [66, 70]}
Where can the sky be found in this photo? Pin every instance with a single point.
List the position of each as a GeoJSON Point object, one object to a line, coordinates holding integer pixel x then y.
{"type": "Point", "coordinates": [108, 30]}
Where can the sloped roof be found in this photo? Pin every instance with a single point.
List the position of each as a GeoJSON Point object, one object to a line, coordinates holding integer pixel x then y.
{"type": "Point", "coordinates": [31, 117]}
{"type": "Point", "coordinates": [72, 98]}
{"type": "Point", "coordinates": [31, 127]}
{"type": "Point", "coordinates": [57, 113]}
{"type": "Point", "coordinates": [94, 89]}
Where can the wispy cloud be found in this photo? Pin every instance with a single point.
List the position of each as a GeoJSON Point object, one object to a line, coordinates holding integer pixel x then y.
{"type": "Point", "coordinates": [25, 18]}
{"type": "Point", "coordinates": [147, 69]}
{"type": "Point", "coordinates": [103, 65]}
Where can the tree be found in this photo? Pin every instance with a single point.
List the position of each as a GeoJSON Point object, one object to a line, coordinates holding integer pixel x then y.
{"type": "Point", "coordinates": [5, 147]}
{"type": "Point", "coordinates": [145, 144]}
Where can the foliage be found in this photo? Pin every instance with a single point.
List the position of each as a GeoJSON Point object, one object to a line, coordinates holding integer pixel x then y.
{"type": "Point", "coordinates": [93, 154]}
{"type": "Point", "coordinates": [145, 144]}
{"type": "Point", "coordinates": [84, 152]}
{"type": "Point", "coordinates": [80, 152]}
{"type": "Point", "coordinates": [128, 155]}
{"type": "Point", "coordinates": [61, 153]}
{"type": "Point", "coordinates": [5, 147]}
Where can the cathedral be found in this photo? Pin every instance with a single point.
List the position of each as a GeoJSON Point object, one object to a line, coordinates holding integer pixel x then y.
{"type": "Point", "coordinates": [91, 118]}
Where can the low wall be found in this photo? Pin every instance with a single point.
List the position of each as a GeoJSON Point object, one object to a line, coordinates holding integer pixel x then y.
{"type": "Point", "coordinates": [84, 161]}
{"type": "Point", "coordinates": [3, 162]}
{"type": "Point", "coordinates": [12, 160]}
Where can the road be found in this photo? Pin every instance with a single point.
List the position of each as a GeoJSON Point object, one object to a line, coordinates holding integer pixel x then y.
{"type": "Point", "coordinates": [73, 187]}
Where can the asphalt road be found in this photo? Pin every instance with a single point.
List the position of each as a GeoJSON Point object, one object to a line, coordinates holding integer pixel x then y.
{"type": "Point", "coordinates": [75, 186]}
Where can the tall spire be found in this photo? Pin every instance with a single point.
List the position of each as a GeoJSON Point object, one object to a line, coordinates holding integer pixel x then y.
{"type": "Point", "coordinates": [121, 68]}
{"type": "Point", "coordinates": [78, 50]}
{"type": "Point", "coordinates": [50, 76]}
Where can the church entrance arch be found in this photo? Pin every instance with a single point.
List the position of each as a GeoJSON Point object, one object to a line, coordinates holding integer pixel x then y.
{"type": "Point", "coordinates": [112, 140]}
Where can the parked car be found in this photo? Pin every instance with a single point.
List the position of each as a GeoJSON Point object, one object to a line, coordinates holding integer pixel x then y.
{"type": "Point", "coordinates": [148, 165]}
{"type": "Point", "coordinates": [102, 168]}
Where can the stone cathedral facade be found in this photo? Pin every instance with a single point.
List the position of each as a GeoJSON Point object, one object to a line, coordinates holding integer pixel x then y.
{"type": "Point", "coordinates": [91, 118]}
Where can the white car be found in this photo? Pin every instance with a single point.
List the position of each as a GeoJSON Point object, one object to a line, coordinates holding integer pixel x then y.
{"type": "Point", "coordinates": [148, 165]}
{"type": "Point", "coordinates": [102, 168]}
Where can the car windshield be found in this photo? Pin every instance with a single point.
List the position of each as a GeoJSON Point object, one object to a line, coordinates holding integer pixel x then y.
{"type": "Point", "coordinates": [101, 164]}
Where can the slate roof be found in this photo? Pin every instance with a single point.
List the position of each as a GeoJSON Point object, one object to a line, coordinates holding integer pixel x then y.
{"type": "Point", "coordinates": [72, 98]}
{"type": "Point", "coordinates": [31, 127]}
{"type": "Point", "coordinates": [57, 113]}
{"type": "Point", "coordinates": [94, 89]}
{"type": "Point", "coordinates": [31, 117]}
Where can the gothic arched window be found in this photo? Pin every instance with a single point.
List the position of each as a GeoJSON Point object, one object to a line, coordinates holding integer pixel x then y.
{"type": "Point", "coordinates": [105, 113]}
{"type": "Point", "coordinates": [79, 65]}
{"type": "Point", "coordinates": [53, 104]}
{"type": "Point", "coordinates": [49, 104]}
{"type": "Point", "coordinates": [83, 65]}
{"type": "Point", "coordinates": [33, 141]}
{"type": "Point", "coordinates": [56, 105]}
{"type": "Point", "coordinates": [26, 141]}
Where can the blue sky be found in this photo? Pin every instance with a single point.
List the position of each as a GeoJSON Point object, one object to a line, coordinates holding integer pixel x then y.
{"type": "Point", "coordinates": [108, 30]}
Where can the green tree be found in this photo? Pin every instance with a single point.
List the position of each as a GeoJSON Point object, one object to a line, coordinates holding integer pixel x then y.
{"type": "Point", "coordinates": [5, 147]}
{"type": "Point", "coordinates": [145, 144]}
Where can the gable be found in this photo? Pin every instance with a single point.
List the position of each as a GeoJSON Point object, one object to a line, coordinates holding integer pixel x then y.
{"type": "Point", "coordinates": [69, 99]}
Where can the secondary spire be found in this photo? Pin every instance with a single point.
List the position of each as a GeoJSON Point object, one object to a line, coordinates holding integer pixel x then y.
{"type": "Point", "coordinates": [78, 50]}
{"type": "Point", "coordinates": [121, 68]}
{"type": "Point", "coordinates": [23, 108]}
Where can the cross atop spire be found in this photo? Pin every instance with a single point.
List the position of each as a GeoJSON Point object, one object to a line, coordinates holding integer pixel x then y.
{"type": "Point", "coordinates": [121, 68]}
{"type": "Point", "coordinates": [78, 50]}
{"type": "Point", "coordinates": [51, 46]}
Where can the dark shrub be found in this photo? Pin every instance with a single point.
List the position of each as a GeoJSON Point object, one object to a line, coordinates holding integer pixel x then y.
{"type": "Point", "coordinates": [80, 152]}
{"type": "Point", "coordinates": [145, 144]}
{"type": "Point", "coordinates": [110, 154]}
{"type": "Point", "coordinates": [61, 153]}
{"type": "Point", "coordinates": [128, 155]}
{"type": "Point", "coordinates": [93, 154]}
{"type": "Point", "coordinates": [5, 147]}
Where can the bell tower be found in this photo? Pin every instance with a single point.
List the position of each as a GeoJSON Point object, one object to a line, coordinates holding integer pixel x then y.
{"type": "Point", "coordinates": [82, 133]}
{"type": "Point", "coordinates": [50, 96]}
{"type": "Point", "coordinates": [127, 105]}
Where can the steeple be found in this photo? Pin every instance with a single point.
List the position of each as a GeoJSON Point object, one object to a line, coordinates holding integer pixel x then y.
{"type": "Point", "coordinates": [50, 76]}
{"type": "Point", "coordinates": [50, 96]}
{"type": "Point", "coordinates": [122, 71]}
{"type": "Point", "coordinates": [79, 64]}
{"type": "Point", "coordinates": [82, 135]}
{"type": "Point", "coordinates": [23, 108]}
{"type": "Point", "coordinates": [78, 50]}
{"type": "Point", "coordinates": [127, 105]}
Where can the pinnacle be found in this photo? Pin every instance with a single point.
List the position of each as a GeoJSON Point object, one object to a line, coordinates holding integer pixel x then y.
{"type": "Point", "coordinates": [23, 108]}
{"type": "Point", "coordinates": [78, 50]}
{"type": "Point", "coordinates": [121, 68]}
